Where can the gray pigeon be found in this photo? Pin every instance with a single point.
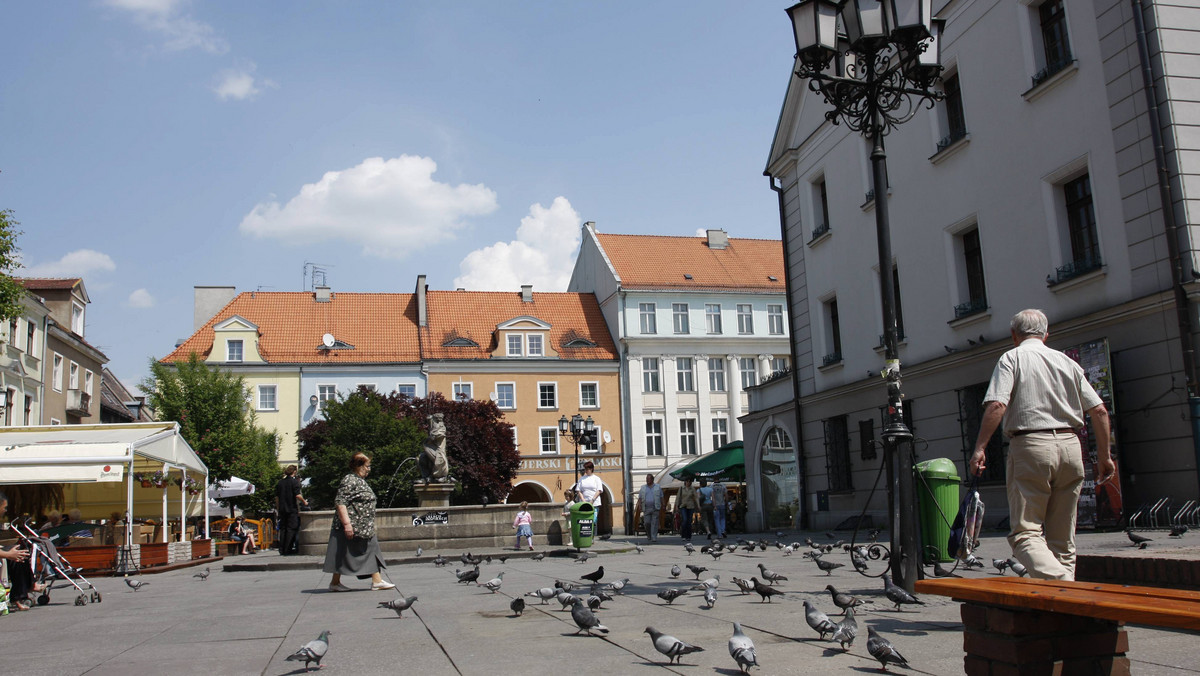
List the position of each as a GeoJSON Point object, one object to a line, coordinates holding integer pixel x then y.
{"type": "Point", "coordinates": [769, 575]}
{"type": "Point", "coordinates": [741, 649]}
{"type": "Point", "coordinates": [564, 585]}
{"type": "Point", "coordinates": [398, 604]}
{"type": "Point", "coordinates": [827, 566]}
{"type": "Point", "coordinates": [582, 557]}
{"type": "Point", "coordinates": [846, 631]}
{"type": "Point", "coordinates": [939, 571]}
{"type": "Point", "coordinates": [675, 571]}
{"type": "Point", "coordinates": [696, 569]}
{"type": "Point", "coordinates": [972, 562]}
{"type": "Point", "coordinates": [883, 650]}
{"type": "Point", "coordinates": [669, 595]}
{"type": "Point", "coordinates": [787, 551]}
{"type": "Point", "coordinates": [843, 600]}
{"type": "Point", "coordinates": [1139, 540]}
{"type": "Point", "coordinates": [135, 584]}
{"type": "Point", "coordinates": [538, 557]}
{"type": "Point", "coordinates": [712, 582]}
{"type": "Point", "coordinates": [860, 564]}
{"type": "Point", "coordinates": [545, 594]}
{"type": "Point", "coordinates": [494, 583]}
{"type": "Point", "coordinates": [710, 596]}
{"type": "Point", "coordinates": [585, 619]}
{"type": "Point", "coordinates": [690, 549]}
{"type": "Point", "coordinates": [716, 554]}
{"type": "Point", "coordinates": [594, 602]}
{"type": "Point", "coordinates": [203, 575]}
{"type": "Point", "coordinates": [899, 595]}
{"type": "Point", "coordinates": [312, 651]}
{"type": "Point", "coordinates": [818, 620]}
{"type": "Point", "coordinates": [616, 587]}
{"type": "Point", "coordinates": [745, 585]}
{"type": "Point", "coordinates": [566, 599]}
{"type": "Point", "coordinates": [1000, 564]}
{"type": "Point", "coordinates": [420, 551]}
{"type": "Point", "coordinates": [468, 576]}
{"type": "Point", "coordinates": [763, 590]}
{"type": "Point", "coordinates": [1016, 567]}
{"type": "Point", "coordinates": [439, 561]}
{"type": "Point", "coordinates": [638, 548]}
{"type": "Point", "coordinates": [517, 605]}
{"type": "Point", "coordinates": [670, 646]}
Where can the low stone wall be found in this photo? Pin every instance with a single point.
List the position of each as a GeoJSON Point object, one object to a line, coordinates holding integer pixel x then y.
{"type": "Point", "coordinates": [465, 527]}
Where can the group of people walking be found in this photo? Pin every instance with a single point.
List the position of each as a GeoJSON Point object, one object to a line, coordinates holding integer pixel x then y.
{"type": "Point", "coordinates": [711, 503]}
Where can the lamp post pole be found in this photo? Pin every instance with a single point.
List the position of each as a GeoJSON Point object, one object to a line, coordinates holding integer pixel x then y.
{"type": "Point", "coordinates": [578, 430]}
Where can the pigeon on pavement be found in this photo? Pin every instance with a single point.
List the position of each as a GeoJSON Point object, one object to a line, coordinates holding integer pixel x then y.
{"type": "Point", "coordinates": [669, 595]}
{"type": "Point", "coordinates": [618, 586]}
{"type": "Point", "coordinates": [696, 569]}
{"type": "Point", "coordinates": [1140, 540]}
{"type": "Point", "coordinates": [420, 551]}
{"type": "Point", "coordinates": [716, 554]}
{"type": "Point", "coordinates": [585, 619]}
{"type": "Point", "coordinates": [1000, 564]}
{"type": "Point", "coordinates": [846, 631]}
{"type": "Point", "coordinates": [939, 571]}
{"type": "Point", "coordinates": [690, 549]}
{"type": "Point", "coordinates": [1016, 567]}
{"type": "Point", "coordinates": [972, 562]}
{"type": "Point", "coordinates": [745, 585]}
{"type": "Point", "coordinates": [135, 584]}
{"type": "Point", "coordinates": [398, 604]}
{"type": "Point", "coordinates": [770, 575]}
{"type": "Point", "coordinates": [517, 605]}
{"type": "Point", "coordinates": [594, 576]}
{"type": "Point", "coordinates": [741, 649]}
{"type": "Point", "coordinates": [670, 646]}
{"type": "Point", "coordinates": [203, 575]}
{"type": "Point", "coordinates": [843, 600]}
{"type": "Point", "coordinates": [818, 620]}
{"type": "Point", "coordinates": [897, 594]}
{"type": "Point", "coordinates": [1178, 530]}
{"type": "Point", "coordinates": [582, 557]}
{"type": "Point", "coordinates": [787, 551]}
{"type": "Point", "coordinates": [709, 583]}
{"type": "Point", "coordinates": [710, 596]}
{"type": "Point", "coordinates": [439, 561]}
{"type": "Point", "coordinates": [638, 548]}
{"type": "Point", "coordinates": [494, 583]}
{"type": "Point", "coordinates": [594, 602]}
{"type": "Point", "coordinates": [763, 590]}
{"type": "Point", "coordinates": [883, 650]}
{"type": "Point", "coordinates": [502, 558]}
{"type": "Point", "coordinates": [467, 576]}
{"type": "Point", "coordinates": [675, 570]}
{"type": "Point", "coordinates": [545, 594]}
{"type": "Point", "coordinates": [538, 557]}
{"type": "Point", "coordinates": [827, 566]}
{"type": "Point", "coordinates": [566, 599]}
{"type": "Point", "coordinates": [860, 564]}
{"type": "Point", "coordinates": [313, 651]}
{"type": "Point", "coordinates": [564, 585]}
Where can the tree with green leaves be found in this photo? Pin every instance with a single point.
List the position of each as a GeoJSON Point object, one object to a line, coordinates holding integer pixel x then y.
{"type": "Point", "coordinates": [11, 291]}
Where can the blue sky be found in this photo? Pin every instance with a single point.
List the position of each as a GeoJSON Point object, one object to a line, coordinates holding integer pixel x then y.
{"type": "Point", "coordinates": [153, 145]}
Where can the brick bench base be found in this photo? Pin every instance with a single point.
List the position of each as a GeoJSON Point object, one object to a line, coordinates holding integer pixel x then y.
{"type": "Point", "coordinates": [1003, 641]}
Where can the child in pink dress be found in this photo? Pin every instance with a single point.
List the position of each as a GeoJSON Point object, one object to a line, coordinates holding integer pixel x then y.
{"type": "Point", "coordinates": [524, 525]}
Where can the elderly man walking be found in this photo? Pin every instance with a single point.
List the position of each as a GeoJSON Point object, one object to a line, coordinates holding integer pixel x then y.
{"type": "Point", "coordinates": [650, 499]}
{"type": "Point", "coordinates": [1041, 396]}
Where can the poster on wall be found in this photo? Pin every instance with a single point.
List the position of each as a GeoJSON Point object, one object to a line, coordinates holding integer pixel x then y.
{"type": "Point", "coordinates": [1099, 506]}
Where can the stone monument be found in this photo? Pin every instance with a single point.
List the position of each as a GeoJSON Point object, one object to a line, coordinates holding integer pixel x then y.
{"type": "Point", "coordinates": [436, 484]}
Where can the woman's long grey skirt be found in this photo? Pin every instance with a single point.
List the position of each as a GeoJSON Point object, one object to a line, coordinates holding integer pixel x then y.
{"type": "Point", "coordinates": [357, 557]}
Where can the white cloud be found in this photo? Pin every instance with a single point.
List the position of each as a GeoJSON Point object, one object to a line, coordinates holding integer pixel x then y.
{"type": "Point", "coordinates": [391, 207]}
{"type": "Point", "coordinates": [79, 263]}
{"type": "Point", "coordinates": [542, 254]}
{"type": "Point", "coordinates": [140, 299]}
{"type": "Point", "coordinates": [702, 232]}
{"type": "Point", "coordinates": [168, 19]}
{"type": "Point", "coordinates": [239, 83]}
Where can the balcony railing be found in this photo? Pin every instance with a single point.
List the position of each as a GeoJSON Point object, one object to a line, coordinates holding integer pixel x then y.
{"type": "Point", "coordinates": [79, 403]}
{"type": "Point", "coordinates": [973, 306]}
{"type": "Point", "coordinates": [818, 232]}
{"type": "Point", "coordinates": [831, 358]}
{"type": "Point", "coordinates": [899, 339]}
{"type": "Point", "coordinates": [950, 139]}
{"type": "Point", "coordinates": [1052, 68]}
{"type": "Point", "coordinates": [1073, 269]}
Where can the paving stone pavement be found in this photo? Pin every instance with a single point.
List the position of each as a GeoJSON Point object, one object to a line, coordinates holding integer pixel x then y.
{"type": "Point", "coordinates": [247, 622]}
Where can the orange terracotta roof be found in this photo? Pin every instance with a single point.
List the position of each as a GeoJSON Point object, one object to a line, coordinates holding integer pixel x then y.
{"type": "Point", "coordinates": [382, 327]}
{"type": "Point", "coordinates": [658, 262]}
{"type": "Point", "coordinates": [48, 283]}
{"type": "Point", "coordinates": [474, 315]}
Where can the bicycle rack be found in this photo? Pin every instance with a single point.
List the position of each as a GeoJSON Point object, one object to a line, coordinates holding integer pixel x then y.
{"type": "Point", "coordinates": [1179, 518]}
{"type": "Point", "coordinates": [1138, 514]}
{"type": "Point", "coordinates": [1158, 507]}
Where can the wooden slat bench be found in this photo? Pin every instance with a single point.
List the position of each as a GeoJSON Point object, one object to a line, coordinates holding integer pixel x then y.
{"type": "Point", "coordinates": [1016, 625]}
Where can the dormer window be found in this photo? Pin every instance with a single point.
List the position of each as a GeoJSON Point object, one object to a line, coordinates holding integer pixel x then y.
{"type": "Point", "coordinates": [77, 319]}
{"type": "Point", "coordinates": [233, 350]}
{"type": "Point", "coordinates": [534, 342]}
{"type": "Point", "coordinates": [516, 345]}
{"type": "Point", "coordinates": [452, 339]}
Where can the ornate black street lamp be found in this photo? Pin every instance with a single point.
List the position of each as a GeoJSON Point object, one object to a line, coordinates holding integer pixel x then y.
{"type": "Point", "coordinates": [876, 62]}
{"type": "Point", "coordinates": [579, 431]}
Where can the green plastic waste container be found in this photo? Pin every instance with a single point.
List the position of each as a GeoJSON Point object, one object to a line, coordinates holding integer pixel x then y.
{"type": "Point", "coordinates": [583, 524]}
{"type": "Point", "coordinates": [937, 501]}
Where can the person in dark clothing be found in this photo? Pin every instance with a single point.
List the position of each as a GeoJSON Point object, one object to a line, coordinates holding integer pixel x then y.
{"type": "Point", "coordinates": [20, 574]}
{"type": "Point", "coordinates": [287, 502]}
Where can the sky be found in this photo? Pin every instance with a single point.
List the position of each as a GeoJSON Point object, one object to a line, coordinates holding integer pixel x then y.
{"type": "Point", "coordinates": [149, 146]}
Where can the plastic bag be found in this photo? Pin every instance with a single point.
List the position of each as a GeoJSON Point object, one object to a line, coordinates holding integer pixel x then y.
{"type": "Point", "coordinates": [964, 532]}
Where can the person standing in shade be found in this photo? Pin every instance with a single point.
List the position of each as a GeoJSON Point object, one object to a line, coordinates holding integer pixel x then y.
{"type": "Point", "coordinates": [650, 499]}
{"type": "Point", "coordinates": [687, 507]}
{"type": "Point", "coordinates": [704, 496]}
{"type": "Point", "coordinates": [1041, 395]}
{"type": "Point", "coordinates": [719, 506]}
{"type": "Point", "coordinates": [353, 548]}
{"type": "Point", "coordinates": [287, 503]}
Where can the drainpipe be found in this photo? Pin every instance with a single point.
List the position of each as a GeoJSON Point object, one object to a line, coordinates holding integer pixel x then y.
{"type": "Point", "coordinates": [626, 423]}
{"type": "Point", "coordinates": [1171, 226]}
{"type": "Point", "coordinates": [787, 284]}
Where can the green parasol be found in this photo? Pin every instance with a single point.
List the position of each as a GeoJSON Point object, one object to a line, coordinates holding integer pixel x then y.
{"type": "Point", "coordinates": [727, 462]}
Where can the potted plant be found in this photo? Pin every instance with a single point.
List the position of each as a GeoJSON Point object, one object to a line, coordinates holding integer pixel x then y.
{"type": "Point", "coordinates": [143, 478]}
{"type": "Point", "coordinates": [159, 479]}
{"type": "Point", "coordinates": [190, 485]}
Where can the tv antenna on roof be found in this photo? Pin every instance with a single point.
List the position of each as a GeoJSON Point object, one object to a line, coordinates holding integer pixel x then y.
{"type": "Point", "coordinates": [314, 273]}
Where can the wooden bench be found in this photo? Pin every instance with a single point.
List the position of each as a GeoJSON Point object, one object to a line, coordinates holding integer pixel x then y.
{"type": "Point", "coordinates": [228, 548]}
{"type": "Point", "coordinates": [1015, 625]}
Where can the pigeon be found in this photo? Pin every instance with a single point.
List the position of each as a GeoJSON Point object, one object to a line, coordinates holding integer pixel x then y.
{"type": "Point", "coordinates": [594, 602]}
{"type": "Point", "coordinates": [818, 620]}
{"type": "Point", "coordinates": [420, 551]}
{"type": "Point", "coordinates": [689, 548]}
{"type": "Point", "coordinates": [474, 560]}
{"type": "Point", "coordinates": [545, 594]}
{"type": "Point", "coordinates": [741, 649]}
{"type": "Point", "coordinates": [503, 559]}
{"type": "Point", "coordinates": [696, 569]}
{"type": "Point", "coordinates": [494, 583]}
{"type": "Point", "coordinates": [710, 596]}
{"type": "Point", "coordinates": [1000, 564]}
{"type": "Point", "coordinates": [439, 561]}
{"type": "Point", "coordinates": [585, 619]}
{"type": "Point", "coordinates": [762, 546]}
{"type": "Point", "coordinates": [1178, 531]}
{"type": "Point", "coordinates": [716, 554]}
{"type": "Point", "coordinates": [843, 600]}
{"type": "Point", "coordinates": [939, 571]}
{"type": "Point", "coordinates": [897, 594]}
{"type": "Point", "coordinates": [488, 559]}
{"type": "Point", "coordinates": [669, 595]}
{"type": "Point", "coordinates": [582, 557]}
{"type": "Point", "coordinates": [827, 566]}
{"type": "Point", "coordinates": [517, 606]}
{"type": "Point", "coordinates": [763, 590]}
{"type": "Point", "coordinates": [745, 585]}
{"type": "Point", "coordinates": [639, 549]}
{"type": "Point", "coordinates": [468, 576]}
{"type": "Point", "coordinates": [883, 650]}
{"type": "Point", "coordinates": [594, 576]}
{"type": "Point", "coordinates": [566, 599]}
{"type": "Point", "coordinates": [312, 651]}
{"type": "Point", "coordinates": [203, 575]}
{"type": "Point", "coordinates": [603, 595]}
{"type": "Point", "coordinates": [465, 558]}
{"type": "Point", "coordinates": [670, 646]}
{"type": "Point", "coordinates": [1140, 540]}
{"type": "Point", "coordinates": [606, 536]}
{"type": "Point", "coordinates": [770, 575]}
{"type": "Point", "coordinates": [618, 586]}
{"type": "Point", "coordinates": [1016, 567]}
{"type": "Point", "coordinates": [675, 571]}
{"type": "Point", "coordinates": [538, 557]}
{"type": "Point", "coordinates": [398, 604]}
{"type": "Point", "coordinates": [846, 631]}
{"type": "Point", "coordinates": [787, 551]}
{"type": "Point", "coordinates": [563, 585]}
{"type": "Point", "coordinates": [860, 564]}
{"type": "Point", "coordinates": [874, 534]}
{"type": "Point", "coordinates": [972, 562]}
{"type": "Point", "coordinates": [135, 584]}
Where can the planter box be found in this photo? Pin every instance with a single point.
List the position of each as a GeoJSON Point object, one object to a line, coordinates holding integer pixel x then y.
{"type": "Point", "coordinates": [99, 557]}
{"type": "Point", "coordinates": [155, 554]}
{"type": "Point", "coordinates": [201, 549]}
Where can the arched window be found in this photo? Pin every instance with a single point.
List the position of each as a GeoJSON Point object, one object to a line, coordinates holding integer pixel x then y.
{"type": "Point", "coordinates": [780, 480]}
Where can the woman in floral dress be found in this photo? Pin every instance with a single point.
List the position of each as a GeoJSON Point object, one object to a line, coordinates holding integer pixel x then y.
{"type": "Point", "coordinates": [353, 548]}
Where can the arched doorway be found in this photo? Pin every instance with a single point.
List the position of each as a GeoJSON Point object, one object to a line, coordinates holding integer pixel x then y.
{"type": "Point", "coordinates": [780, 479]}
{"type": "Point", "coordinates": [528, 491]}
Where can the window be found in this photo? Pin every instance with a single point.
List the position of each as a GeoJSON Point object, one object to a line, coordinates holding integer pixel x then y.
{"type": "Point", "coordinates": [687, 436]}
{"type": "Point", "coordinates": [233, 350]}
{"type": "Point", "coordinates": [515, 344]}
{"type": "Point", "coordinates": [971, 285]}
{"type": "Point", "coordinates": [547, 395]}
{"type": "Point", "coordinates": [712, 318]}
{"type": "Point", "coordinates": [679, 317]}
{"type": "Point", "coordinates": [370, 387]}
{"type": "Point", "coordinates": [654, 437]}
{"type": "Point", "coordinates": [77, 318]}
{"type": "Point", "coordinates": [833, 333]}
{"type": "Point", "coordinates": [650, 375]}
{"type": "Point", "coordinates": [837, 453]}
{"type": "Point", "coordinates": [56, 375]}
{"type": "Point", "coordinates": [970, 416]}
{"type": "Point", "coordinates": [591, 444]}
{"type": "Point", "coordinates": [820, 198]}
{"type": "Point", "coordinates": [646, 314]}
{"type": "Point", "coordinates": [1056, 46]}
{"type": "Point", "coordinates": [506, 395]}
{"type": "Point", "coordinates": [325, 393]}
{"type": "Point", "coordinates": [778, 364]}
{"type": "Point", "coordinates": [549, 440]}
{"type": "Point", "coordinates": [745, 319]}
{"type": "Point", "coordinates": [1081, 221]}
{"type": "Point", "coordinates": [775, 320]}
{"type": "Point", "coordinates": [407, 390]}
{"type": "Point", "coordinates": [716, 374]}
{"type": "Point", "coordinates": [28, 409]}
{"type": "Point", "coordinates": [10, 397]}
{"type": "Point", "coordinates": [12, 331]}
{"type": "Point", "coordinates": [266, 398]}
{"type": "Point", "coordinates": [30, 333]}
{"type": "Point", "coordinates": [462, 391]}
{"type": "Point", "coordinates": [534, 342]}
{"type": "Point", "coordinates": [954, 124]}
{"type": "Point", "coordinates": [866, 439]}
{"type": "Point", "coordinates": [87, 381]}
{"type": "Point", "coordinates": [589, 395]}
{"type": "Point", "coordinates": [685, 374]}
{"type": "Point", "coordinates": [73, 379]}
{"type": "Point", "coordinates": [720, 432]}
{"type": "Point", "coordinates": [749, 373]}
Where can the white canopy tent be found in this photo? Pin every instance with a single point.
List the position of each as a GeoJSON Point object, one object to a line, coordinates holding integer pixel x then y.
{"type": "Point", "coordinates": [101, 454]}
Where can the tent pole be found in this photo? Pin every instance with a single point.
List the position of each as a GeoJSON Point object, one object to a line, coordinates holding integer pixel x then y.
{"type": "Point", "coordinates": [166, 530]}
{"type": "Point", "coordinates": [183, 505]}
{"type": "Point", "coordinates": [207, 534]}
{"type": "Point", "coordinates": [128, 556]}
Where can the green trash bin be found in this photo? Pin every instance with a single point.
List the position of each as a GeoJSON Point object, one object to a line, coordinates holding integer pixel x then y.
{"type": "Point", "coordinates": [583, 524]}
{"type": "Point", "coordinates": [937, 489]}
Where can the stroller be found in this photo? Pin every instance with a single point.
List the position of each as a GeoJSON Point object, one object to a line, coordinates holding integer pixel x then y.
{"type": "Point", "coordinates": [48, 565]}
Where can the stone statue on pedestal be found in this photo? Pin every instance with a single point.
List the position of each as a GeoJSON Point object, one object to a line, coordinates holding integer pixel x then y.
{"type": "Point", "coordinates": [433, 463]}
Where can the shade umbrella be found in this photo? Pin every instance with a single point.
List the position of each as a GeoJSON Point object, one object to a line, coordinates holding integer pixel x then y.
{"type": "Point", "coordinates": [230, 488]}
{"type": "Point", "coordinates": [727, 462]}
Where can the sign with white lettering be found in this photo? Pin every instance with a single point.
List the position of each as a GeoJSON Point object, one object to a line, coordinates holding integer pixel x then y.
{"type": "Point", "coordinates": [432, 518]}
{"type": "Point", "coordinates": [565, 464]}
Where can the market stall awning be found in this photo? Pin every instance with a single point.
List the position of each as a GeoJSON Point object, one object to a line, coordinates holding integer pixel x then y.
{"type": "Point", "coordinates": [727, 462]}
{"type": "Point", "coordinates": [90, 453]}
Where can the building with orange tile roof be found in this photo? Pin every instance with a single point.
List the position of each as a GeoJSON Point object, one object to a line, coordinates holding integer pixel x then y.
{"type": "Point", "coordinates": [698, 320]}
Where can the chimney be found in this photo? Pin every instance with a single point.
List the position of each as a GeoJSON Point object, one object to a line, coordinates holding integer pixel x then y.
{"type": "Point", "coordinates": [208, 301]}
{"type": "Point", "coordinates": [322, 294]}
{"type": "Point", "coordinates": [422, 318]}
{"type": "Point", "coordinates": [717, 239]}
{"type": "Point", "coordinates": [526, 293]}
{"type": "Point", "coordinates": [590, 225]}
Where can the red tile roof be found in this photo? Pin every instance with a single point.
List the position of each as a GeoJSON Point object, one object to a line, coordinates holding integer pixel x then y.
{"type": "Point", "coordinates": [658, 262]}
{"type": "Point", "coordinates": [382, 327]}
{"type": "Point", "coordinates": [476, 314]}
{"type": "Point", "coordinates": [48, 283]}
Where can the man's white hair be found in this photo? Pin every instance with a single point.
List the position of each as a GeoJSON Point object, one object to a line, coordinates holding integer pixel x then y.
{"type": "Point", "coordinates": [1030, 323]}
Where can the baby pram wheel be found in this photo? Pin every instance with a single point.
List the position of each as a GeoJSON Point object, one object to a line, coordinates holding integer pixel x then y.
{"type": "Point", "coordinates": [95, 596]}
{"type": "Point", "coordinates": [81, 600]}
{"type": "Point", "coordinates": [44, 598]}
